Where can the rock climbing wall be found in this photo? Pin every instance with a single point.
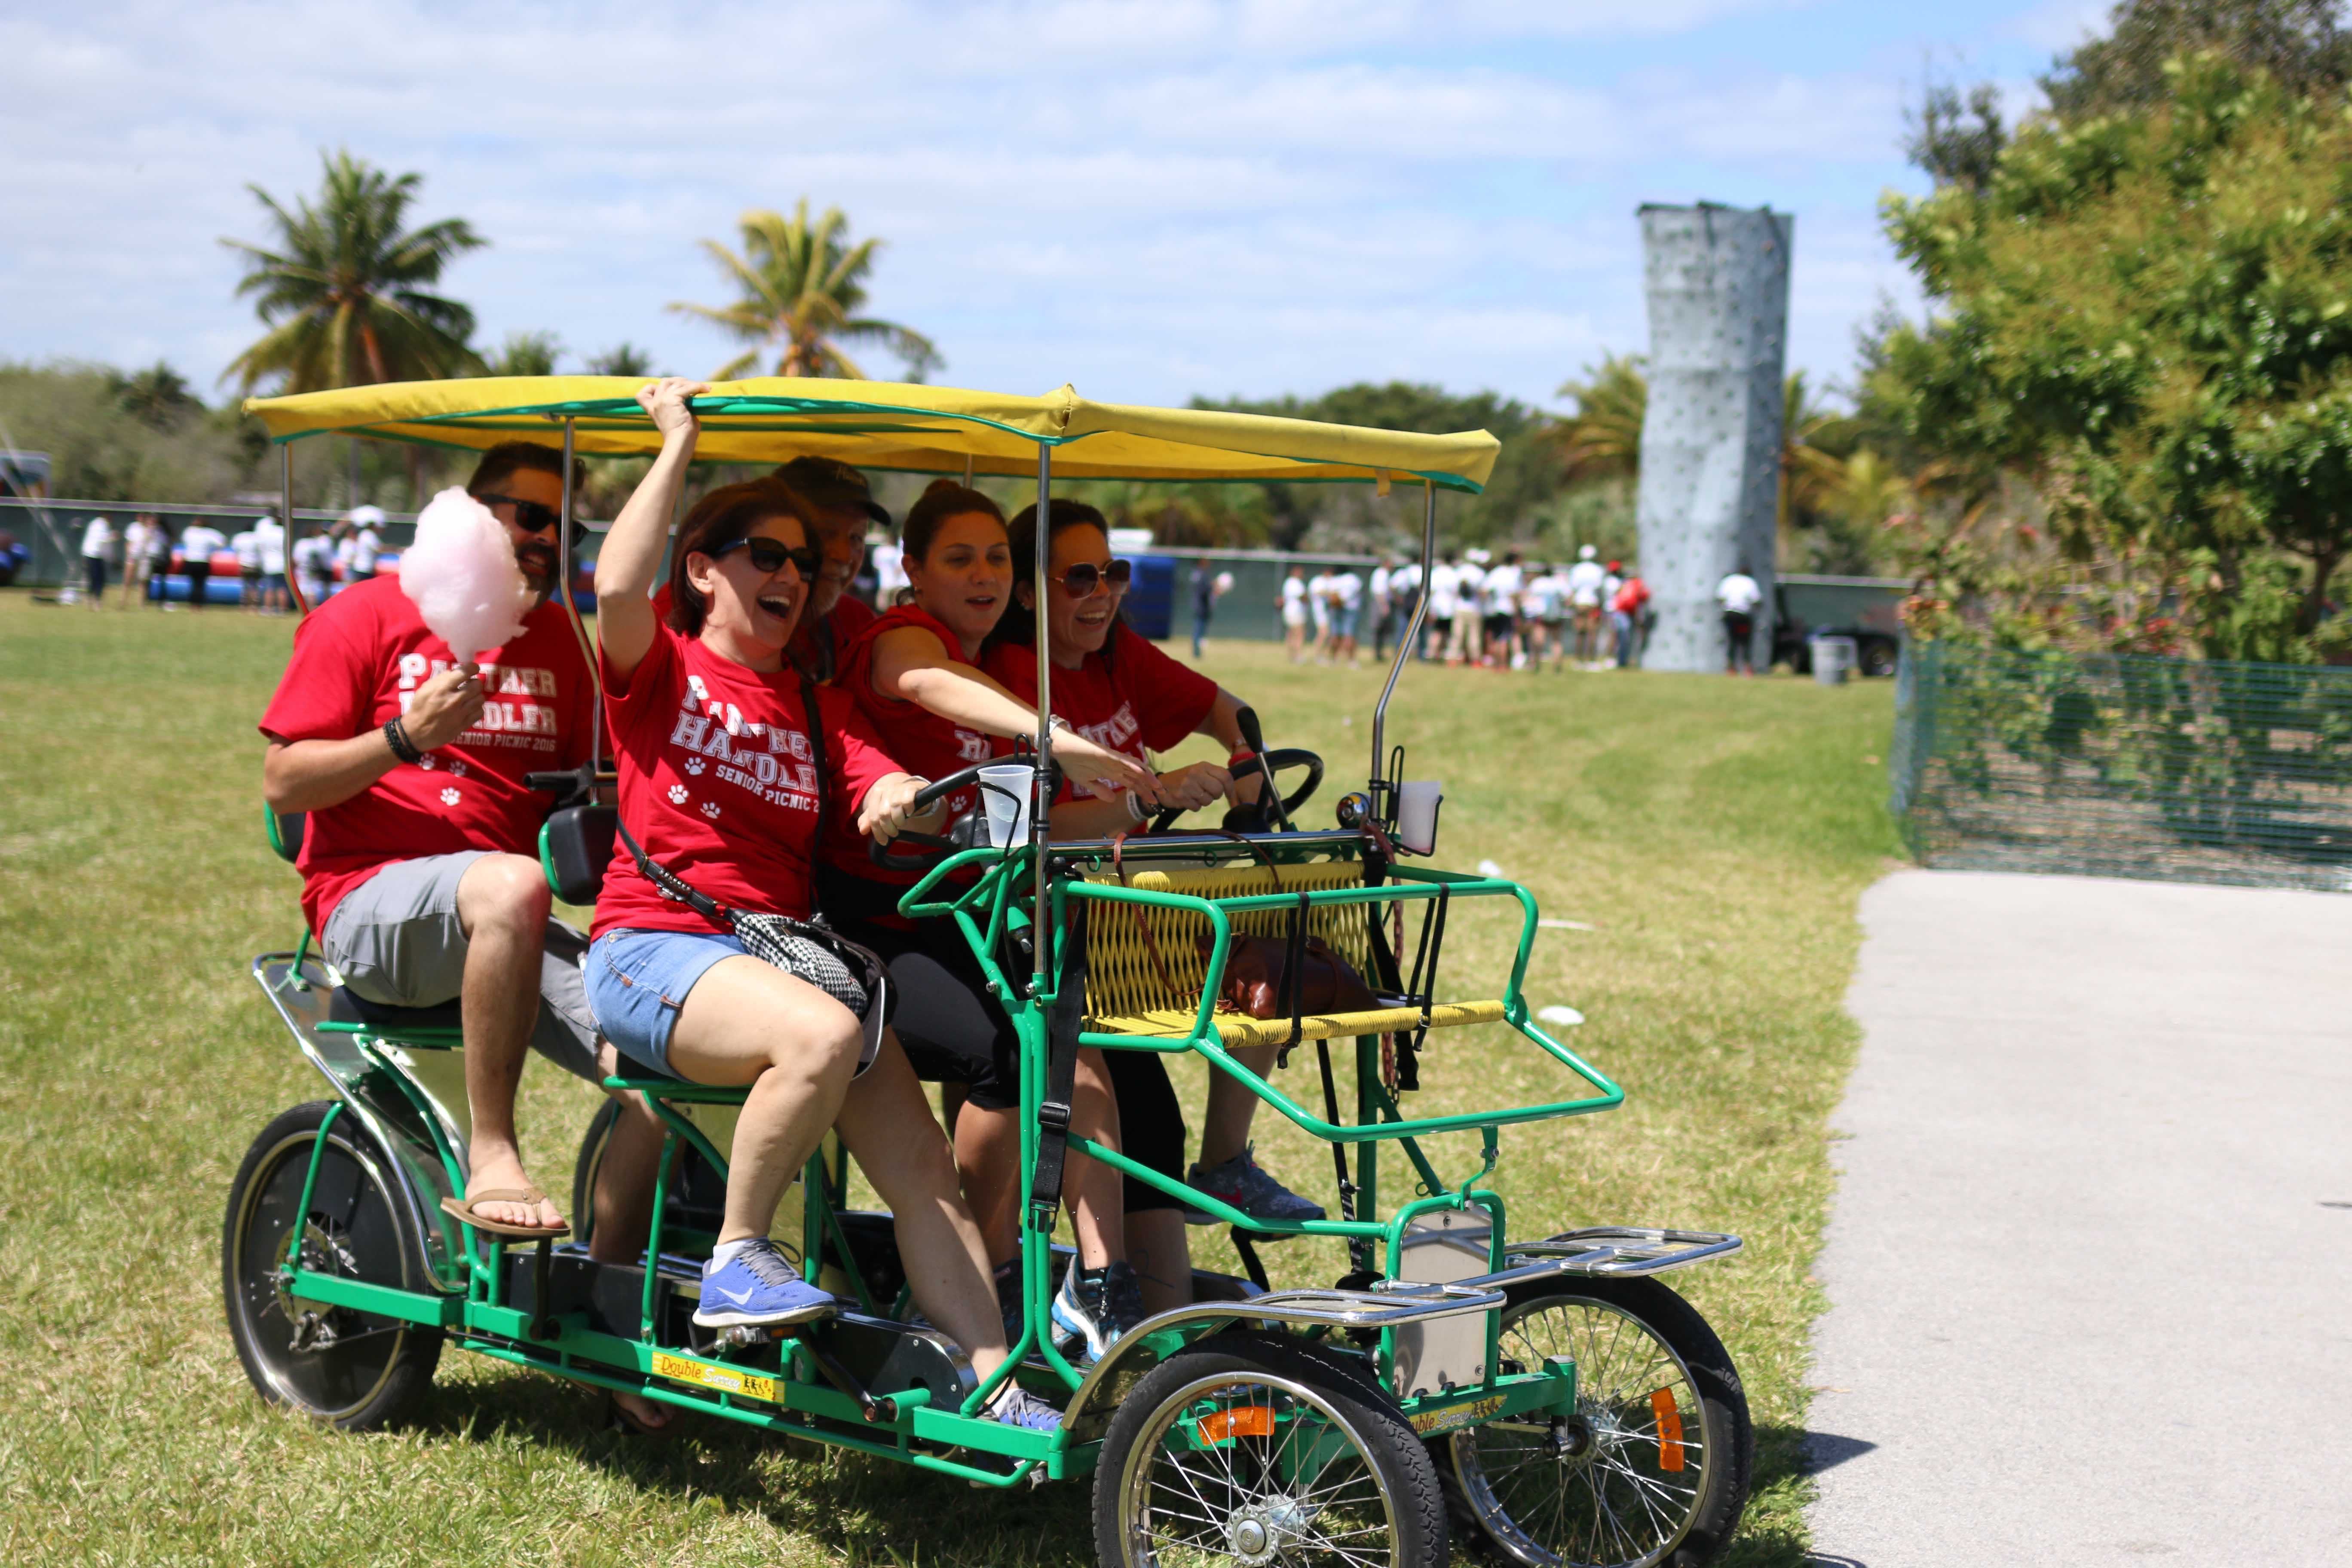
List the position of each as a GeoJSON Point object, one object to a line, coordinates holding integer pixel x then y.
{"type": "Point", "coordinates": [1718, 281]}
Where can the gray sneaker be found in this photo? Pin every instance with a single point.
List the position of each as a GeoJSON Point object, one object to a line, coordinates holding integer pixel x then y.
{"type": "Point", "coordinates": [1243, 1182]}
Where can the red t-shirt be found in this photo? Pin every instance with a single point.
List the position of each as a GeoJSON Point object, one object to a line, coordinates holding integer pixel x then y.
{"type": "Point", "coordinates": [718, 783]}
{"type": "Point", "coordinates": [922, 741]}
{"type": "Point", "coordinates": [819, 646]}
{"type": "Point", "coordinates": [357, 661]}
{"type": "Point", "coordinates": [1130, 697]}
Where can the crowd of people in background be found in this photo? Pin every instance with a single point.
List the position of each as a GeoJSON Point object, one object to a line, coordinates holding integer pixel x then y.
{"type": "Point", "coordinates": [140, 558]}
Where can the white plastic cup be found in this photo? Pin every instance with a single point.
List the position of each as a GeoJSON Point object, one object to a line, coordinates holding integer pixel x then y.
{"type": "Point", "coordinates": [1005, 793]}
{"type": "Point", "coordinates": [1417, 802]}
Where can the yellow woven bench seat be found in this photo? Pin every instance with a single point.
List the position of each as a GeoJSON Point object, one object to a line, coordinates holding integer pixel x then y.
{"type": "Point", "coordinates": [1240, 1029]}
{"type": "Point", "coordinates": [1130, 993]}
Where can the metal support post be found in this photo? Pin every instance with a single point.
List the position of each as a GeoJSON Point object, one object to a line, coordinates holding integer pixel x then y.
{"type": "Point", "coordinates": [1040, 802]}
{"type": "Point", "coordinates": [1405, 649]}
{"type": "Point", "coordinates": [293, 578]}
{"type": "Point", "coordinates": [571, 611]}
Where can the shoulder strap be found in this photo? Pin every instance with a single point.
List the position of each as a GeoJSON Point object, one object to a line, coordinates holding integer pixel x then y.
{"type": "Point", "coordinates": [816, 745]}
{"type": "Point", "coordinates": [671, 884]}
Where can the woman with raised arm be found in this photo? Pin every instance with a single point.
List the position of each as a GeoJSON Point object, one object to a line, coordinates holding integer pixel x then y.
{"type": "Point", "coordinates": [729, 761]}
{"type": "Point", "coordinates": [913, 674]}
{"type": "Point", "coordinates": [1116, 690]}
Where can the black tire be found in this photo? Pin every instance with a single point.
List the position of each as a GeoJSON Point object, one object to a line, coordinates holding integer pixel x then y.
{"type": "Point", "coordinates": [355, 1370]}
{"type": "Point", "coordinates": [583, 1169]}
{"type": "Point", "coordinates": [1879, 659]}
{"type": "Point", "coordinates": [1623, 1497]}
{"type": "Point", "coordinates": [1387, 1503]}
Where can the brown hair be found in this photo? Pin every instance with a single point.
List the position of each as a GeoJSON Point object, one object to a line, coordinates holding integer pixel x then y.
{"type": "Point", "coordinates": [1016, 626]}
{"type": "Point", "coordinates": [941, 500]}
{"type": "Point", "coordinates": [513, 457]}
{"type": "Point", "coordinates": [718, 520]}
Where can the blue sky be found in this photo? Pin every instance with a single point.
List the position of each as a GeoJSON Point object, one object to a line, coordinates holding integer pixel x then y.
{"type": "Point", "coordinates": [1150, 200]}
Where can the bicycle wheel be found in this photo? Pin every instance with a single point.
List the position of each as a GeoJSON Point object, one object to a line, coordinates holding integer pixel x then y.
{"type": "Point", "coordinates": [350, 1369]}
{"type": "Point", "coordinates": [1243, 1451]}
{"type": "Point", "coordinates": [1652, 1469]}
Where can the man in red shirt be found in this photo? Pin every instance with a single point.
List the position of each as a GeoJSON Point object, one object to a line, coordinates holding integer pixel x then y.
{"type": "Point", "coordinates": [420, 872]}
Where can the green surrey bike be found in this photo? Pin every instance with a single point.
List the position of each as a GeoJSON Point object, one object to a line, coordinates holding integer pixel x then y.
{"type": "Point", "coordinates": [1551, 1400]}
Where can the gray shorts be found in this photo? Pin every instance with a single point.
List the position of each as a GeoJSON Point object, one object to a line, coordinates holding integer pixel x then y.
{"type": "Point", "coordinates": [395, 940]}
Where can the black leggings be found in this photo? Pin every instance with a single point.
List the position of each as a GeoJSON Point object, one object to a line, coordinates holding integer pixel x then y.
{"type": "Point", "coordinates": [952, 1028]}
{"type": "Point", "coordinates": [1150, 1124]}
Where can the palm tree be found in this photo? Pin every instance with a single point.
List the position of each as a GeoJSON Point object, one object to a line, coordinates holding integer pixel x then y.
{"type": "Point", "coordinates": [527, 353]}
{"type": "Point", "coordinates": [1809, 475]}
{"type": "Point", "coordinates": [801, 286]}
{"type": "Point", "coordinates": [1602, 439]}
{"type": "Point", "coordinates": [347, 289]}
{"type": "Point", "coordinates": [625, 359]}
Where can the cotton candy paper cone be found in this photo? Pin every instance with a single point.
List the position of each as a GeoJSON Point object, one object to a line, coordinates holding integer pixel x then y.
{"type": "Point", "coordinates": [462, 577]}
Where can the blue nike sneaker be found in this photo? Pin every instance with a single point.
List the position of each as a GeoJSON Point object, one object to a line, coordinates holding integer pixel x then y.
{"type": "Point", "coordinates": [1016, 1406]}
{"type": "Point", "coordinates": [761, 1287]}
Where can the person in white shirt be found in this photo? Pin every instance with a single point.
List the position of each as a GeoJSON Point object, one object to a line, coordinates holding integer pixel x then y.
{"type": "Point", "coordinates": [1382, 607]}
{"type": "Point", "coordinates": [1318, 605]}
{"type": "Point", "coordinates": [1503, 587]}
{"type": "Point", "coordinates": [246, 547]}
{"type": "Point", "coordinates": [314, 567]}
{"type": "Point", "coordinates": [198, 543]}
{"type": "Point", "coordinates": [97, 545]}
{"type": "Point", "coordinates": [270, 535]}
{"type": "Point", "coordinates": [1738, 594]}
{"type": "Point", "coordinates": [1347, 606]}
{"type": "Point", "coordinates": [1468, 643]}
{"type": "Point", "coordinates": [1605, 640]}
{"type": "Point", "coordinates": [1404, 589]}
{"type": "Point", "coordinates": [1445, 597]}
{"type": "Point", "coordinates": [1585, 601]}
{"type": "Point", "coordinates": [366, 542]}
{"type": "Point", "coordinates": [138, 558]}
{"type": "Point", "coordinates": [889, 574]}
{"type": "Point", "coordinates": [1294, 613]}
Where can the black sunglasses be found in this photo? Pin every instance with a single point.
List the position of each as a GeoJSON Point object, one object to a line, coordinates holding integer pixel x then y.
{"type": "Point", "coordinates": [532, 516]}
{"type": "Point", "coordinates": [1086, 579]}
{"type": "Point", "coordinates": [767, 557]}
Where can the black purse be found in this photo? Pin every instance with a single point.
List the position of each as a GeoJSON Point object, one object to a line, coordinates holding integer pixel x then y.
{"type": "Point", "coordinates": [852, 975]}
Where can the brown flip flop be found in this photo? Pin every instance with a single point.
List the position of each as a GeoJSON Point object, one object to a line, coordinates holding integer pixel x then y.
{"type": "Point", "coordinates": [463, 1209]}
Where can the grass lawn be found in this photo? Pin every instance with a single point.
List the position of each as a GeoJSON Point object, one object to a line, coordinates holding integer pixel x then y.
{"type": "Point", "coordinates": [1712, 835]}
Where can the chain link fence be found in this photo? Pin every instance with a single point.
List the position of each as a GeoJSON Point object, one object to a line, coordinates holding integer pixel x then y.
{"type": "Point", "coordinates": [2125, 765]}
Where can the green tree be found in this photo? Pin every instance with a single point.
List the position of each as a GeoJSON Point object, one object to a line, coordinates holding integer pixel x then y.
{"type": "Point", "coordinates": [800, 289]}
{"type": "Point", "coordinates": [347, 289]}
{"type": "Point", "coordinates": [158, 398]}
{"type": "Point", "coordinates": [2144, 322]}
{"type": "Point", "coordinates": [2301, 45]}
{"type": "Point", "coordinates": [526, 353]}
{"type": "Point", "coordinates": [622, 359]}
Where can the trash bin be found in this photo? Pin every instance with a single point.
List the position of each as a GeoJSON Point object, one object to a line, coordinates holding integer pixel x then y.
{"type": "Point", "coordinates": [1833, 659]}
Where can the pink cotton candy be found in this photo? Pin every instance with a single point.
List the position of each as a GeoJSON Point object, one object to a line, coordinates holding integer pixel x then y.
{"type": "Point", "coordinates": [461, 575]}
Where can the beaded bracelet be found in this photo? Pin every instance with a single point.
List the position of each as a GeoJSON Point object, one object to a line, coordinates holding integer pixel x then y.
{"type": "Point", "coordinates": [402, 746]}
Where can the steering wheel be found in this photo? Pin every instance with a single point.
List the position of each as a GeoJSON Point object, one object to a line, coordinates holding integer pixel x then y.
{"type": "Point", "coordinates": [1251, 816]}
{"type": "Point", "coordinates": [969, 831]}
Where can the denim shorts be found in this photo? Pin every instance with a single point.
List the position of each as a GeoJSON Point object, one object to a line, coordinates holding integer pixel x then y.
{"type": "Point", "coordinates": [638, 980]}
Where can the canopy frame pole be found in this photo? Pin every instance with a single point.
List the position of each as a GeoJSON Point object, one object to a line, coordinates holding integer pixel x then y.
{"type": "Point", "coordinates": [967, 470]}
{"type": "Point", "coordinates": [293, 578]}
{"type": "Point", "coordinates": [1040, 799]}
{"type": "Point", "coordinates": [572, 610]}
{"type": "Point", "coordinates": [1381, 786]}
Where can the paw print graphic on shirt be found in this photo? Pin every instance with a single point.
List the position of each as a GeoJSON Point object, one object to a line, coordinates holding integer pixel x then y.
{"type": "Point", "coordinates": [450, 797]}
{"type": "Point", "coordinates": [428, 761]}
{"type": "Point", "coordinates": [456, 769]}
{"type": "Point", "coordinates": [677, 794]}
{"type": "Point", "coordinates": [710, 808]}
{"type": "Point", "coordinates": [695, 764]}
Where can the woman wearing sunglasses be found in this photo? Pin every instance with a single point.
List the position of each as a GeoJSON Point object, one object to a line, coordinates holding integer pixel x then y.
{"type": "Point", "coordinates": [915, 676]}
{"type": "Point", "coordinates": [1116, 690]}
{"type": "Point", "coordinates": [720, 745]}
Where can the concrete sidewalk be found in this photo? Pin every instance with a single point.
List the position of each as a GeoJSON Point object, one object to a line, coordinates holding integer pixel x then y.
{"type": "Point", "coordinates": [2090, 1265]}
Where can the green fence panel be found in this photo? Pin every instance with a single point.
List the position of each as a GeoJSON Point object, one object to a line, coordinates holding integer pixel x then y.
{"type": "Point", "coordinates": [2125, 765]}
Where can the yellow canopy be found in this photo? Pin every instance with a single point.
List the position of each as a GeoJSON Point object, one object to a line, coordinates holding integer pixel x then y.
{"type": "Point", "coordinates": [889, 426]}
